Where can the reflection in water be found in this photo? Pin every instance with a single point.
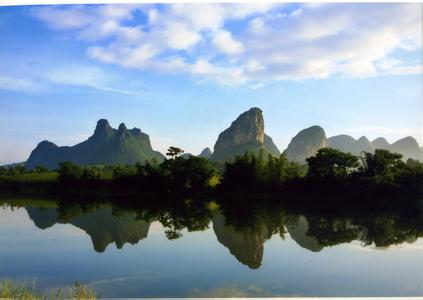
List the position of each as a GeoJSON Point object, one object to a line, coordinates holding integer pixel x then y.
{"type": "Point", "coordinates": [245, 244]}
{"type": "Point", "coordinates": [244, 234]}
{"type": "Point", "coordinates": [100, 224]}
{"type": "Point", "coordinates": [299, 233]}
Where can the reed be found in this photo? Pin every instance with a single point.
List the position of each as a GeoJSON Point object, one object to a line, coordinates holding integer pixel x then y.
{"type": "Point", "coordinates": [12, 290]}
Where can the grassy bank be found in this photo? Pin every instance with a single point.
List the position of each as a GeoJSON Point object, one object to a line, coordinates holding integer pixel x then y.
{"type": "Point", "coordinates": [13, 290]}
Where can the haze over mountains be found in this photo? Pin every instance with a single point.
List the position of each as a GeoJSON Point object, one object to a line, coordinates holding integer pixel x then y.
{"type": "Point", "coordinates": [246, 133]}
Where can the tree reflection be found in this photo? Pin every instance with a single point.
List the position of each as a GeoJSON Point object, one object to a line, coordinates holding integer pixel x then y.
{"type": "Point", "coordinates": [243, 226]}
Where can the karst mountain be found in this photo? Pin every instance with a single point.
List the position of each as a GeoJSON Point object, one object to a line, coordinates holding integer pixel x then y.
{"type": "Point", "coordinates": [106, 146]}
{"type": "Point", "coordinates": [247, 133]}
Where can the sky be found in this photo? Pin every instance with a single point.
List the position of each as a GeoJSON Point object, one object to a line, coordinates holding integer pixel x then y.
{"type": "Point", "coordinates": [183, 72]}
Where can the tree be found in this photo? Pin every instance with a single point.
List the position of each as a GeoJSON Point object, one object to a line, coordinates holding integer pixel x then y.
{"type": "Point", "coordinates": [329, 162]}
{"type": "Point", "coordinates": [69, 172]}
{"type": "Point", "coordinates": [90, 174]}
{"type": "Point", "coordinates": [174, 152]}
{"type": "Point", "coordinates": [381, 163]}
{"type": "Point", "coordinates": [40, 169]}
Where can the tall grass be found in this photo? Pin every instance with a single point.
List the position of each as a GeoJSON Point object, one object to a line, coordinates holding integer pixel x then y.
{"type": "Point", "coordinates": [13, 290]}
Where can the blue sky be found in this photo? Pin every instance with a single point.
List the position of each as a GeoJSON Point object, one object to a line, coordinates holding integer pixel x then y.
{"type": "Point", "coordinates": [183, 73]}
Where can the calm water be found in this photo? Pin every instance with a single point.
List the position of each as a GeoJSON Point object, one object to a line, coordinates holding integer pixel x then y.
{"type": "Point", "coordinates": [209, 251]}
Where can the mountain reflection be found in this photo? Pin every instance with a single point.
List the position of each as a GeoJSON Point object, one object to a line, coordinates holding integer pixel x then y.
{"type": "Point", "coordinates": [245, 244]}
{"type": "Point", "coordinates": [100, 223]}
{"type": "Point", "coordinates": [242, 230]}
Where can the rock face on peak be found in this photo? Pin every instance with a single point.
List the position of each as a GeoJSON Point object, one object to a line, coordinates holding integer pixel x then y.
{"type": "Point", "coordinates": [206, 153]}
{"type": "Point", "coordinates": [105, 146]}
{"type": "Point", "coordinates": [306, 143]}
{"type": "Point", "coordinates": [246, 133]}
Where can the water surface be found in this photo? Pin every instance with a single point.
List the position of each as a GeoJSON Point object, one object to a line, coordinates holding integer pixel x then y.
{"type": "Point", "coordinates": [210, 252]}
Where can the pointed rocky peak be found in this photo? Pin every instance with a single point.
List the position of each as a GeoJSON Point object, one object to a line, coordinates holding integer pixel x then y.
{"type": "Point", "coordinates": [380, 143]}
{"type": "Point", "coordinates": [247, 128]}
{"type": "Point", "coordinates": [102, 131]}
{"type": "Point", "coordinates": [245, 133]}
{"type": "Point", "coordinates": [102, 124]}
{"type": "Point", "coordinates": [122, 127]}
{"type": "Point", "coordinates": [306, 143]}
{"type": "Point", "coordinates": [206, 153]}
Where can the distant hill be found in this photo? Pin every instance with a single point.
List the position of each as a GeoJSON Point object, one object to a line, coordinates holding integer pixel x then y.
{"type": "Point", "coordinates": [346, 143]}
{"type": "Point", "coordinates": [246, 133]}
{"type": "Point", "coordinates": [105, 146]}
{"type": "Point", "coordinates": [206, 153]}
{"type": "Point", "coordinates": [306, 143]}
{"type": "Point", "coordinates": [407, 146]}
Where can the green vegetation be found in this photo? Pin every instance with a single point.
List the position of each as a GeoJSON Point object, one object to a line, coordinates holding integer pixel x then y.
{"type": "Point", "coordinates": [331, 163]}
{"type": "Point", "coordinates": [329, 172]}
{"type": "Point", "coordinates": [255, 173]}
{"type": "Point", "coordinates": [12, 290]}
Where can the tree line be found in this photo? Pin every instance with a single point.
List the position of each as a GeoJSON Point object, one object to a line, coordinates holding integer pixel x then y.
{"type": "Point", "coordinates": [329, 169]}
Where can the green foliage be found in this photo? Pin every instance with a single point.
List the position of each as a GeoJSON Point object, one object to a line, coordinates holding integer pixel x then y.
{"type": "Point", "coordinates": [69, 172]}
{"type": "Point", "coordinates": [120, 172]}
{"type": "Point", "coordinates": [13, 170]}
{"type": "Point", "coordinates": [174, 152]}
{"type": "Point", "coordinates": [31, 177]}
{"type": "Point", "coordinates": [328, 170]}
{"type": "Point", "coordinates": [40, 169]}
{"type": "Point", "coordinates": [186, 173]}
{"type": "Point", "coordinates": [91, 174]}
{"type": "Point", "coordinates": [331, 163]}
{"type": "Point", "coordinates": [382, 163]}
{"type": "Point", "coordinates": [250, 172]}
{"type": "Point", "coordinates": [12, 290]}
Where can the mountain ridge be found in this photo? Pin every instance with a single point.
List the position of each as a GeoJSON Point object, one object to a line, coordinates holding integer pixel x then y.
{"type": "Point", "coordinates": [105, 146]}
{"type": "Point", "coordinates": [246, 133]}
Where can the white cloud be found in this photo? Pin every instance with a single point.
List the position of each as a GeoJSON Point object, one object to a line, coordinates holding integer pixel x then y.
{"type": "Point", "coordinates": [225, 43]}
{"type": "Point", "coordinates": [18, 84]}
{"type": "Point", "coordinates": [85, 76]}
{"type": "Point", "coordinates": [406, 70]}
{"type": "Point", "coordinates": [269, 43]}
{"type": "Point", "coordinates": [179, 36]}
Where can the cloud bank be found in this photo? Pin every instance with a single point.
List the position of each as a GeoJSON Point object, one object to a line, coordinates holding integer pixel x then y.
{"type": "Point", "coordinates": [239, 43]}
